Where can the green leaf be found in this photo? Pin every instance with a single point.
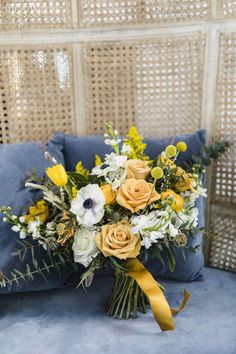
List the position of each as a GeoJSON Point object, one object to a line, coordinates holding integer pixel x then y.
{"type": "Point", "coordinates": [171, 260]}
{"type": "Point", "coordinates": [116, 264]}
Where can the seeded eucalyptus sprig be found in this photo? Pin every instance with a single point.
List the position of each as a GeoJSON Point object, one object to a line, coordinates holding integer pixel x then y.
{"type": "Point", "coordinates": [198, 163]}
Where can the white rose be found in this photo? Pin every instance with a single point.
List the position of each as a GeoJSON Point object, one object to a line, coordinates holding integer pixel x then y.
{"type": "Point", "coordinates": [84, 246]}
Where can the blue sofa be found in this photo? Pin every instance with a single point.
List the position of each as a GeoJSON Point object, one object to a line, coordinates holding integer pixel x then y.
{"type": "Point", "coordinates": [69, 321]}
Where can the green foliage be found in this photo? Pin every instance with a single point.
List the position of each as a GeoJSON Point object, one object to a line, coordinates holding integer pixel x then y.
{"type": "Point", "coordinates": [207, 155]}
{"type": "Point", "coordinates": [37, 267]}
{"type": "Point", "coordinates": [96, 264]}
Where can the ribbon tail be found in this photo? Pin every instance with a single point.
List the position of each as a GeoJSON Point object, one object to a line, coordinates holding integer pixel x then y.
{"type": "Point", "coordinates": [160, 307]}
{"type": "Point", "coordinates": [183, 303]}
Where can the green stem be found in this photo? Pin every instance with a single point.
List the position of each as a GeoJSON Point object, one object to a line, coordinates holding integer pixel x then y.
{"type": "Point", "coordinates": [127, 298]}
{"type": "Point", "coordinates": [115, 291]}
{"type": "Point", "coordinates": [120, 298]}
{"type": "Point", "coordinates": [142, 302]}
{"type": "Point", "coordinates": [136, 301]}
{"type": "Point", "coordinates": [68, 192]}
{"type": "Point", "coordinates": [129, 288]}
{"type": "Point", "coordinates": [130, 298]}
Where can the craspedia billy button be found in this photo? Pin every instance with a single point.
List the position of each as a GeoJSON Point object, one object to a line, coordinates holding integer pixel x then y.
{"type": "Point", "coordinates": [171, 151]}
{"type": "Point", "coordinates": [181, 146]}
{"type": "Point", "coordinates": [157, 172]}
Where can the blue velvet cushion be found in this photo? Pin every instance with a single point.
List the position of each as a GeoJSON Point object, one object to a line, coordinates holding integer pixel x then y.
{"type": "Point", "coordinates": [15, 161]}
{"type": "Point", "coordinates": [85, 148]}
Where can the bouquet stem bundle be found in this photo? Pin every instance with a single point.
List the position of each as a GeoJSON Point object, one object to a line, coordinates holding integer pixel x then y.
{"type": "Point", "coordinates": [127, 297]}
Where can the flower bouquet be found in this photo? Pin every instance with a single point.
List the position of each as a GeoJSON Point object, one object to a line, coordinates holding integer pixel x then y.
{"type": "Point", "coordinates": [125, 211]}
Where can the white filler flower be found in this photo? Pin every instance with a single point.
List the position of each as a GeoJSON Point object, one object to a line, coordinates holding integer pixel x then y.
{"type": "Point", "coordinates": [88, 205]}
{"type": "Point", "coordinates": [84, 246]}
{"type": "Point", "coordinates": [113, 170]}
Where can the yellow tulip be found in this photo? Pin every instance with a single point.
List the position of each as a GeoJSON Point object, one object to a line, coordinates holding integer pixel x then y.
{"type": "Point", "coordinates": [37, 212]}
{"type": "Point", "coordinates": [58, 175]}
{"type": "Point", "coordinates": [177, 202]}
{"type": "Point", "coordinates": [110, 195]}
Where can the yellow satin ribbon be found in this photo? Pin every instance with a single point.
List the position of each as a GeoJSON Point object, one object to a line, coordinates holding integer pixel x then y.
{"type": "Point", "coordinates": [160, 307]}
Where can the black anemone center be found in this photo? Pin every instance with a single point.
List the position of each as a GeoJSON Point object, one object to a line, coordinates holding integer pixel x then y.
{"type": "Point", "coordinates": [88, 203]}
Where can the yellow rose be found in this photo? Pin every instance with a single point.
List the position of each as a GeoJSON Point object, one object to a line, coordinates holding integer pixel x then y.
{"type": "Point", "coordinates": [135, 194]}
{"type": "Point", "coordinates": [58, 175]}
{"type": "Point", "coordinates": [187, 181]}
{"type": "Point", "coordinates": [118, 240]}
{"type": "Point", "coordinates": [37, 212]}
{"type": "Point", "coordinates": [138, 169]}
{"type": "Point", "coordinates": [177, 202]}
{"type": "Point", "coordinates": [110, 195]}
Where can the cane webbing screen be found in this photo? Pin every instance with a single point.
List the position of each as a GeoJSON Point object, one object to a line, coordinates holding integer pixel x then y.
{"type": "Point", "coordinates": [223, 249]}
{"type": "Point", "coordinates": [224, 186]}
{"type": "Point", "coordinates": [154, 83]}
{"type": "Point", "coordinates": [102, 13]}
{"type": "Point", "coordinates": [24, 14]}
{"type": "Point", "coordinates": [36, 92]}
{"type": "Point", "coordinates": [226, 9]}
{"type": "Point", "coordinates": [110, 82]}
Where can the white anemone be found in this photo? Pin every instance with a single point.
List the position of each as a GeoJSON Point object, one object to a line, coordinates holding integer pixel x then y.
{"type": "Point", "coordinates": [88, 205]}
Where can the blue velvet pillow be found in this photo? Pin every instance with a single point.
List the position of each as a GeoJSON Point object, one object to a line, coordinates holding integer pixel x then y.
{"type": "Point", "coordinates": [15, 161]}
{"type": "Point", "coordinates": [85, 148]}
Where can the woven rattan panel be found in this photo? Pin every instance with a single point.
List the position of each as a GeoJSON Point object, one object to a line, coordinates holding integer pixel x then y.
{"type": "Point", "coordinates": [224, 186]}
{"type": "Point", "coordinates": [223, 249]}
{"type": "Point", "coordinates": [23, 14]}
{"type": "Point", "coordinates": [226, 9]}
{"type": "Point", "coordinates": [155, 83]}
{"type": "Point", "coordinates": [95, 13]}
{"type": "Point", "coordinates": [110, 85]}
{"type": "Point", "coordinates": [36, 92]}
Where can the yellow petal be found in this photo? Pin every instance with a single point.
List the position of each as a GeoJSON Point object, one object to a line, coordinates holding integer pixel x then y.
{"type": "Point", "coordinates": [177, 203]}
{"type": "Point", "coordinates": [58, 175]}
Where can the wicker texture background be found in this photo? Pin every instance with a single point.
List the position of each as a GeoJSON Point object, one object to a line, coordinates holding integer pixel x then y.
{"type": "Point", "coordinates": [21, 14]}
{"type": "Point", "coordinates": [36, 87]}
{"type": "Point", "coordinates": [225, 124]}
{"type": "Point", "coordinates": [150, 82]}
{"type": "Point", "coordinates": [102, 13]}
{"type": "Point", "coordinates": [109, 79]}
{"type": "Point", "coordinates": [226, 9]}
{"type": "Point", "coordinates": [223, 249]}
